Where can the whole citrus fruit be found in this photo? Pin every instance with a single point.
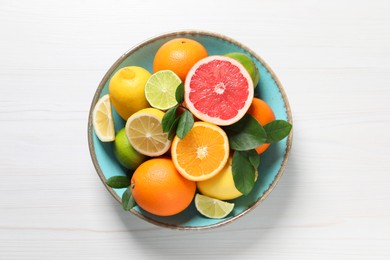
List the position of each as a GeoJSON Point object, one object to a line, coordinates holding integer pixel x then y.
{"type": "Point", "coordinates": [179, 55]}
{"type": "Point", "coordinates": [219, 90]}
{"type": "Point", "coordinates": [127, 156]}
{"type": "Point", "coordinates": [221, 186]}
{"type": "Point", "coordinates": [264, 115]}
{"type": "Point", "coordinates": [127, 90]}
{"type": "Point", "coordinates": [248, 63]}
{"type": "Point", "coordinates": [158, 188]}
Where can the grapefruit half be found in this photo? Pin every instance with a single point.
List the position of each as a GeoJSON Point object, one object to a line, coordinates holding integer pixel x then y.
{"type": "Point", "coordinates": [218, 90]}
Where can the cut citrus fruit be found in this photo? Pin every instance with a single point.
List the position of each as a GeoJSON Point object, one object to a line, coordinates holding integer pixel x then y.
{"type": "Point", "coordinates": [145, 134]}
{"type": "Point", "coordinates": [202, 153]}
{"type": "Point", "coordinates": [248, 63]}
{"type": "Point", "coordinates": [218, 90]}
{"type": "Point", "coordinates": [102, 120]}
{"type": "Point", "coordinates": [160, 89]}
{"type": "Point", "coordinates": [212, 208]}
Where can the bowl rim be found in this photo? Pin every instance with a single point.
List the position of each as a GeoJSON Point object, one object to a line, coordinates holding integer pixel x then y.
{"type": "Point", "coordinates": [182, 33]}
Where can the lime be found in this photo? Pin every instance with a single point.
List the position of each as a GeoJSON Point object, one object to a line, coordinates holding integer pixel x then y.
{"type": "Point", "coordinates": [160, 89]}
{"type": "Point", "coordinates": [127, 90]}
{"type": "Point", "coordinates": [212, 208]}
{"type": "Point", "coordinates": [102, 121]}
{"type": "Point", "coordinates": [221, 186]}
{"type": "Point", "coordinates": [145, 134]}
{"type": "Point", "coordinates": [248, 64]}
{"type": "Point", "coordinates": [127, 156]}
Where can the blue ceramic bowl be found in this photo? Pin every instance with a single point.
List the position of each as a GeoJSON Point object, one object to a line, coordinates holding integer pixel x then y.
{"type": "Point", "coordinates": [273, 161]}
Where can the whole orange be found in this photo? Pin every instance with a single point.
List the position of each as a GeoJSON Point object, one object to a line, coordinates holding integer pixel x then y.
{"type": "Point", "coordinates": [264, 115]}
{"type": "Point", "coordinates": [179, 55]}
{"type": "Point", "coordinates": [158, 188]}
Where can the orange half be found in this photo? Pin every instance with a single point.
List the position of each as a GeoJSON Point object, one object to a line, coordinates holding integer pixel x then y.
{"type": "Point", "coordinates": [202, 153]}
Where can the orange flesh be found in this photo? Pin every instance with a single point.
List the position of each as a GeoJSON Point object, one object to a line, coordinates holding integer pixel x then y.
{"type": "Point", "coordinates": [201, 151]}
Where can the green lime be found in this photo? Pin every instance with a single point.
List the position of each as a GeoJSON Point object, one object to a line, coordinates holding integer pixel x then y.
{"type": "Point", "coordinates": [125, 153]}
{"type": "Point", "coordinates": [212, 208]}
{"type": "Point", "coordinates": [248, 64]}
{"type": "Point", "coordinates": [160, 89]}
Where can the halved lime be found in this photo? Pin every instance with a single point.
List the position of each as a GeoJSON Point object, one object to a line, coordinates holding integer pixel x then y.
{"type": "Point", "coordinates": [212, 208]}
{"type": "Point", "coordinates": [160, 89]}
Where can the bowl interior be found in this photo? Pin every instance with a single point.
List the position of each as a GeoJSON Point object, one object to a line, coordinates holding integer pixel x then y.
{"type": "Point", "coordinates": [272, 161]}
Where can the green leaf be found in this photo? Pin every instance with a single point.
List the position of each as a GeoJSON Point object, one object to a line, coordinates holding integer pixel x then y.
{"type": "Point", "coordinates": [128, 201]}
{"type": "Point", "coordinates": [246, 134]}
{"type": "Point", "coordinates": [243, 172]}
{"type": "Point", "coordinates": [168, 119]}
{"type": "Point", "coordinates": [172, 130]}
{"type": "Point", "coordinates": [277, 130]}
{"type": "Point", "coordinates": [254, 158]}
{"type": "Point", "coordinates": [179, 94]}
{"type": "Point", "coordinates": [118, 182]}
{"type": "Point", "coordinates": [186, 122]}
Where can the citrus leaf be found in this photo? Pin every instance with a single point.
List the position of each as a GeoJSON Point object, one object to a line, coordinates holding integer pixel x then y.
{"type": "Point", "coordinates": [243, 172]}
{"type": "Point", "coordinates": [254, 158]}
{"type": "Point", "coordinates": [118, 182]}
{"type": "Point", "coordinates": [172, 130]}
{"type": "Point", "coordinates": [168, 119]}
{"type": "Point", "coordinates": [128, 201]}
{"type": "Point", "coordinates": [246, 134]}
{"type": "Point", "coordinates": [179, 94]}
{"type": "Point", "coordinates": [186, 123]}
{"type": "Point", "coordinates": [277, 130]}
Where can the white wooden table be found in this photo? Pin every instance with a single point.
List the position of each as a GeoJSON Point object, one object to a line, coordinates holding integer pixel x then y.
{"type": "Point", "coordinates": [333, 58]}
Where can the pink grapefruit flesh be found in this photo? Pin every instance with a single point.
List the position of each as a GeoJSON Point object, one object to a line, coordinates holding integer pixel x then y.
{"type": "Point", "coordinates": [218, 90]}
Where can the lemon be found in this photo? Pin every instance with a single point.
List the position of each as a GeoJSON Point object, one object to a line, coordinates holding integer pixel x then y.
{"type": "Point", "coordinates": [102, 121]}
{"type": "Point", "coordinates": [221, 186]}
{"type": "Point", "coordinates": [248, 64]}
{"type": "Point", "coordinates": [127, 156]}
{"type": "Point", "coordinates": [145, 134]}
{"type": "Point", "coordinates": [212, 208]}
{"type": "Point", "coordinates": [127, 90]}
{"type": "Point", "coordinates": [160, 89]}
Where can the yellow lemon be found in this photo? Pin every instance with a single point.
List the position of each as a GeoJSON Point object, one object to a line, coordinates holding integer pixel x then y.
{"type": "Point", "coordinates": [221, 186]}
{"type": "Point", "coordinates": [102, 120]}
{"type": "Point", "coordinates": [127, 90]}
